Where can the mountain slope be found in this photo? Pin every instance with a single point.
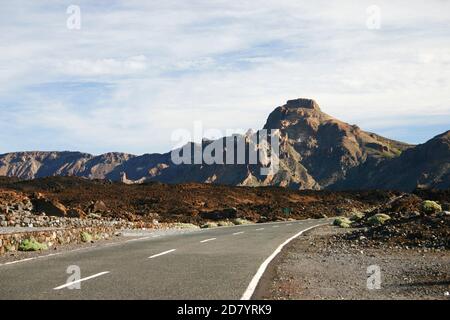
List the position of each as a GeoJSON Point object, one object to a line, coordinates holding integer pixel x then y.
{"type": "Point", "coordinates": [316, 151]}
{"type": "Point", "coordinates": [35, 164]}
{"type": "Point", "coordinates": [328, 147]}
{"type": "Point", "coordinates": [425, 166]}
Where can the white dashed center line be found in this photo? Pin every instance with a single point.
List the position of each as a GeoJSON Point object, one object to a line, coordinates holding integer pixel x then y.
{"type": "Point", "coordinates": [275, 226]}
{"type": "Point", "coordinates": [259, 229]}
{"type": "Point", "coordinates": [81, 280]}
{"type": "Point", "coordinates": [290, 224]}
{"type": "Point", "coordinates": [241, 232]}
{"type": "Point", "coordinates": [162, 253]}
{"type": "Point", "coordinates": [203, 241]}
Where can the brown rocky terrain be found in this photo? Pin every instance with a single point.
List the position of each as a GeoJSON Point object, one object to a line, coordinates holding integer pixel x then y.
{"type": "Point", "coordinates": [80, 198]}
{"type": "Point", "coordinates": [191, 203]}
{"type": "Point", "coordinates": [409, 224]}
{"type": "Point", "coordinates": [25, 211]}
{"type": "Point", "coordinates": [317, 151]}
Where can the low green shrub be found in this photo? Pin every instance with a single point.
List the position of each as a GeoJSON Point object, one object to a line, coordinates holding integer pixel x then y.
{"type": "Point", "coordinates": [86, 237]}
{"type": "Point", "coordinates": [209, 225]}
{"type": "Point", "coordinates": [31, 245]}
{"type": "Point", "coordinates": [342, 222]}
{"type": "Point", "coordinates": [430, 207]}
{"type": "Point", "coordinates": [378, 219]}
{"type": "Point", "coordinates": [181, 225]}
{"type": "Point", "coordinates": [225, 223]}
{"type": "Point", "coordinates": [240, 221]}
{"type": "Point", "coordinates": [357, 216]}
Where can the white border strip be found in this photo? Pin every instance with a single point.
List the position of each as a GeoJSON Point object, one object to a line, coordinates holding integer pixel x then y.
{"type": "Point", "coordinates": [255, 280]}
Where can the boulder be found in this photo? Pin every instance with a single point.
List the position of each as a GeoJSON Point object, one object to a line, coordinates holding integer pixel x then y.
{"type": "Point", "coordinates": [76, 213]}
{"type": "Point", "coordinates": [153, 215]}
{"type": "Point", "coordinates": [50, 207]}
{"type": "Point", "coordinates": [412, 214]}
{"type": "Point", "coordinates": [228, 213]}
{"type": "Point", "coordinates": [444, 214]}
{"type": "Point", "coordinates": [97, 207]}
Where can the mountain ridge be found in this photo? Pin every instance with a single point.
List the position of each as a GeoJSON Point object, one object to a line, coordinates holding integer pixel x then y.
{"type": "Point", "coordinates": [317, 151]}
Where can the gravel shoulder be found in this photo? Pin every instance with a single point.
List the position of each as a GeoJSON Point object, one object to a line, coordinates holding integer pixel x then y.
{"type": "Point", "coordinates": [320, 266]}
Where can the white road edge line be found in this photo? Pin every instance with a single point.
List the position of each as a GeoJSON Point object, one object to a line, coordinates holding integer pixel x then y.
{"type": "Point", "coordinates": [81, 280]}
{"type": "Point", "coordinates": [203, 241]}
{"type": "Point", "coordinates": [162, 253]}
{"type": "Point", "coordinates": [131, 240]}
{"type": "Point", "coordinates": [17, 261]}
{"type": "Point", "coordinates": [255, 280]}
{"type": "Point", "coordinates": [236, 233]}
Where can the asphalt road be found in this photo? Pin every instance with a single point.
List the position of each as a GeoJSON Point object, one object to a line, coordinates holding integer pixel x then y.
{"type": "Point", "coordinates": [209, 264]}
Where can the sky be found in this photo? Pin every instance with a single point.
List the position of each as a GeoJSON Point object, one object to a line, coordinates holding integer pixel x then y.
{"type": "Point", "coordinates": [136, 71]}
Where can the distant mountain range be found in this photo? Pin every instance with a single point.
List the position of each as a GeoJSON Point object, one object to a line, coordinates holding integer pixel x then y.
{"type": "Point", "coordinates": [317, 151]}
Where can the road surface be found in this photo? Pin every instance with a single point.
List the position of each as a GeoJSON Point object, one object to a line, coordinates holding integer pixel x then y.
{"type": "Point", "coordinates": [222, 263]}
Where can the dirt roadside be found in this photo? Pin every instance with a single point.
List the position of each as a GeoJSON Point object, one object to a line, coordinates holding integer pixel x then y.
{"type": "Point", "coordinates": [320, 266]}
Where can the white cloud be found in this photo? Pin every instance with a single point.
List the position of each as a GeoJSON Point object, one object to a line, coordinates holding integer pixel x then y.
{"type": "Point", "coordinates": [167, 64]}
{"type": "Point", "coordinates": [102, 67]}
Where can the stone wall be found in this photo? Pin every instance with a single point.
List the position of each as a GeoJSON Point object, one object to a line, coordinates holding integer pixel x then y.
{"type": "Point", "coordinates": [30, 220]}
{"type": "Point", "coordinates": [17, 210]}
{"type": "Point", "coordinates": [10, 242]}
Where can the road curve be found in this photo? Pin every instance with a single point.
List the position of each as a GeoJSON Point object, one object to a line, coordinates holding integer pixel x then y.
{"type": "Point", "coordinates": [216, 263]}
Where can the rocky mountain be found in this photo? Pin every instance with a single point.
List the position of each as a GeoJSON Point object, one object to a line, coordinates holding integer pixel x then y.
{"type": "Point", "coordinates": [317, 151]}
{"type": "Point", "coordinates": [425, 166]}
{"type": "Point", "coordinates": [326, 147]}
{"type": "Point", "coordinates": [35, 164]}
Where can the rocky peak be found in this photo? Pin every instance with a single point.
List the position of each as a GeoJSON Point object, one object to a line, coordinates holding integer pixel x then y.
{"type": "Point", "coordinates": [299, 118]}
{"type": "Point", "coordinates": [302, 103]}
